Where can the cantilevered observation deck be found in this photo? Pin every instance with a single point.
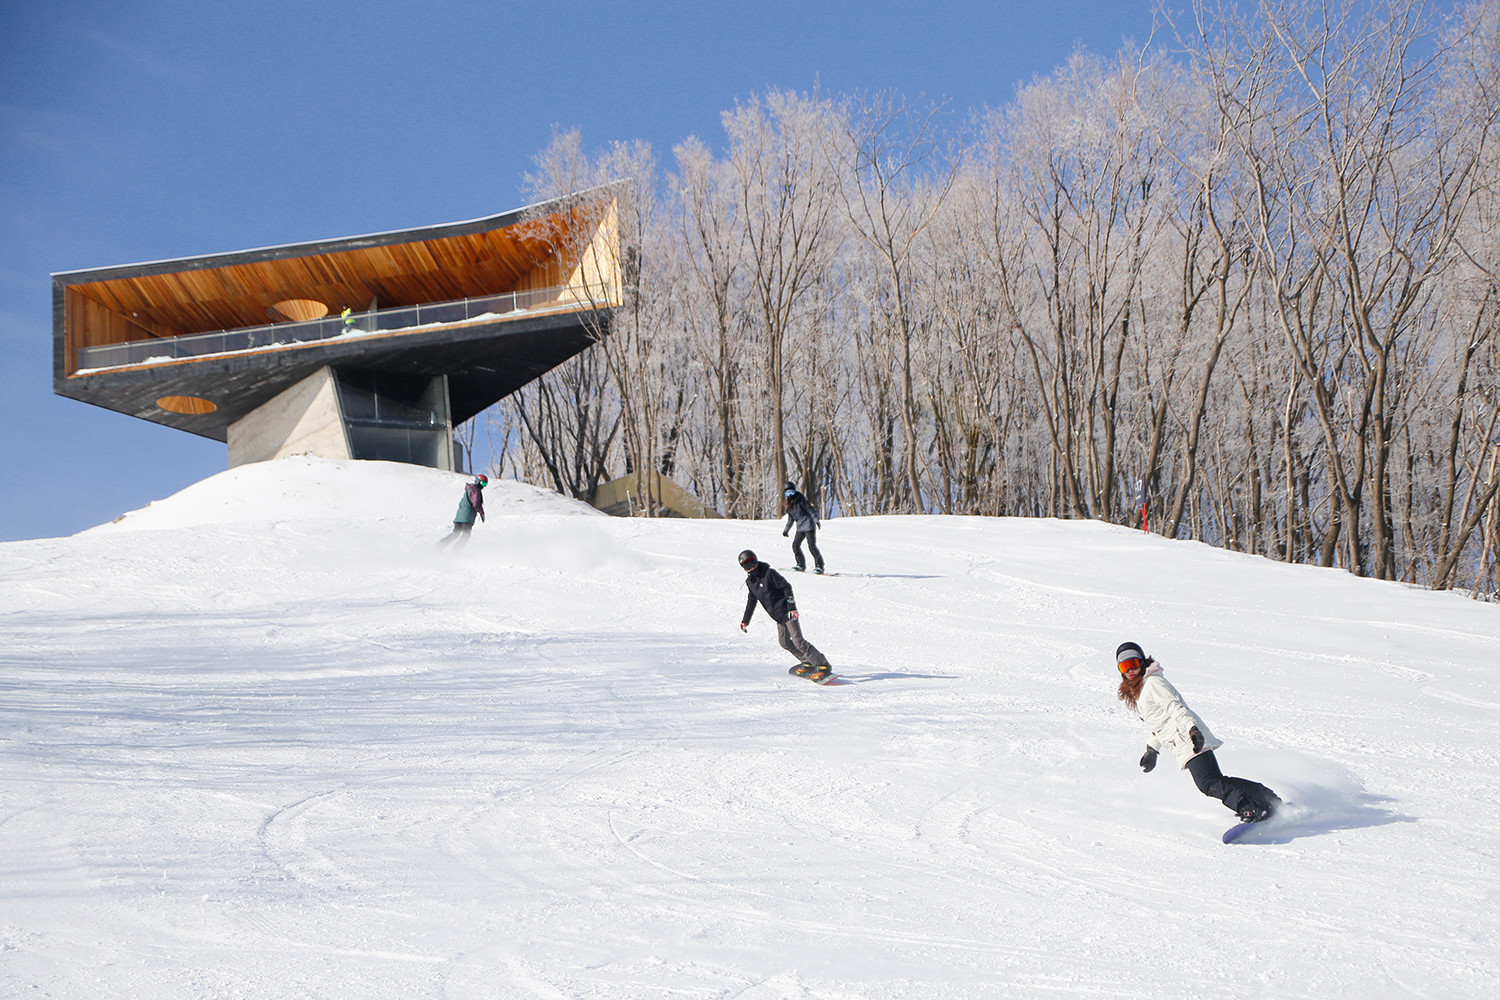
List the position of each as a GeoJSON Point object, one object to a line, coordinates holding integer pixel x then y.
{"type": "Point", "coordinates": [255, 348]}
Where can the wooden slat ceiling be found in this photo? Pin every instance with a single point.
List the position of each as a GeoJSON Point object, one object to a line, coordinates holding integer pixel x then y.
{"type": "Point", "coordinates": [403, 274]}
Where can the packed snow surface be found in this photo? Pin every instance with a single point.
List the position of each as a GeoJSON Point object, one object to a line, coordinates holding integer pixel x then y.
{"type": "Point", "coordinates": [265, 738]}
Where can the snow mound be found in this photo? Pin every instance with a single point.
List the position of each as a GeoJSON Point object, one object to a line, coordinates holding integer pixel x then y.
{"type": "Point", "coordinates": [308, 488]}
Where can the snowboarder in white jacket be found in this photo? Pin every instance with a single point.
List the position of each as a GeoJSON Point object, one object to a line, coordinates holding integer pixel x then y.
{"type": "Point", "coordinates": [1173, 725]}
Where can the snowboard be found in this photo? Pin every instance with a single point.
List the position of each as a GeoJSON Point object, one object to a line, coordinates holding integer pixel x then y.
{"type": "Point", "coordinates": [1241, 829]}
{"type": "Point", "coordinates": [1238, 830]}
{"type": "Point", "coordinates": [800, 671]}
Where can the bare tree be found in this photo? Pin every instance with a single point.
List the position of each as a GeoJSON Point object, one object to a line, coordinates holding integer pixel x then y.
{"type": "Point", "coordinates": [890, 207]}
{"type": "Point", "coordinates": [1355, 161]}
{"type": "Point", "coordinates": [708, 224]}
{"type": "Point", "coordinates": [1085, 168]}
{"type": "Point", "coordinates": [779, 150]}
{"type": "Point", "coordinates": [1207, 210]}
{"type": "Point", "coordinates": [561, 427]}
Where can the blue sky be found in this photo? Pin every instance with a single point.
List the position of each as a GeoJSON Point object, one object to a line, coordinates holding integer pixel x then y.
{"type": "Point", "coordinates": [134, 131]}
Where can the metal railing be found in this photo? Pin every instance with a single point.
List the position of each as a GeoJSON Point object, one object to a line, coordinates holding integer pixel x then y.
{"type": "Point", "coordinates": [361, 324]}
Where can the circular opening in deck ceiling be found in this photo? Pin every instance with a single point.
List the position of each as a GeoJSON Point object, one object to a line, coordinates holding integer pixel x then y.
{"type": "Point", "coordinates": [191, 405]}
{"type": "Point", "coordinates": [297, 310]}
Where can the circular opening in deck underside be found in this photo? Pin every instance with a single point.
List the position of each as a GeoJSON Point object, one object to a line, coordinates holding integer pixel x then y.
{"type": "Point", "coordinates": [191, 405]}
{"type": "Point", "coordinates": [297, 310]}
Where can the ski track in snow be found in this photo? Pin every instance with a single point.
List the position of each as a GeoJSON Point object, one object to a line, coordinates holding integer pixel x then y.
{"type": "Point", "coordinates": [265, 739]}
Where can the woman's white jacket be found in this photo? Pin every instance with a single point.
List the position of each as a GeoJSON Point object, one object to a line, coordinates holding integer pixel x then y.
{"type": "Point", "coordinates": [1169, 719]}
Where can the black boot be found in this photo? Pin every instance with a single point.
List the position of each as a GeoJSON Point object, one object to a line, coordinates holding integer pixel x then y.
{"type": "Point", "coordinates": [1251, 801]}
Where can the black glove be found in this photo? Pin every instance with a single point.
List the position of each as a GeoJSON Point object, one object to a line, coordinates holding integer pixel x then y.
{"type": "Point", "coordinates": [1148, 759]}
{"type": "Point", "coordinates": [1197, 739]}
{"type": "Point", "coordinates": [784, 533]}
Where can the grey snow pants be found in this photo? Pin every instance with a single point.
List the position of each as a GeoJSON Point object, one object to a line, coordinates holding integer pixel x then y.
{"type": "Point", "coordinates": [789, 634]}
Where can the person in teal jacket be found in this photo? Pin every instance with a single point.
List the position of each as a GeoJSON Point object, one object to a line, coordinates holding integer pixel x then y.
{"type": "Point", "coordinates": [469, 505]}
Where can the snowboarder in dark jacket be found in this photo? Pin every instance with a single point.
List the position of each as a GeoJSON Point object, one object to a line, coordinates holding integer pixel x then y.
{"type": "Point", "coordinates": [800, 513]}
{"type": "Point", "coordinates": [771, 591]}
{"type": "Point", "coordinates": [469, 505]}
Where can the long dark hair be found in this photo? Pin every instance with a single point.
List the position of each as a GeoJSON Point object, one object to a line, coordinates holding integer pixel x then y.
{"type": "Point", "coordinates": [1130, 688]}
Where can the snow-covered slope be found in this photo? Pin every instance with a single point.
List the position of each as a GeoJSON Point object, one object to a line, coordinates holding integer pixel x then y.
{"type": "Point", "coordinates": [265, 739]}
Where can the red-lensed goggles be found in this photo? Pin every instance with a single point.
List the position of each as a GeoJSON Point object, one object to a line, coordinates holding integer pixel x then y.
{"type": "Point", "coordinates": [1128, 665]}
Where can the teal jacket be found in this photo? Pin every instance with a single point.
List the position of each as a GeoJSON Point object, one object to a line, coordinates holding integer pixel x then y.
{"type": "Point", "coordinates": [471, 504]}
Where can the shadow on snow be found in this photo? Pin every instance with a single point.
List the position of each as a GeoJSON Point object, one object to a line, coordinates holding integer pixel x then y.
{"type": "Point", "coordinates": [1328, 812]}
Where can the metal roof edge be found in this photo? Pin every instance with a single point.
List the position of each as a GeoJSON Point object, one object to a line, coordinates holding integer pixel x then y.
{"type": "Point", "coordinates": [308, 248]}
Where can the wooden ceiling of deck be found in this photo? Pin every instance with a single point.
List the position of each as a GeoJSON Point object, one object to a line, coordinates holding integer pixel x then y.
{"type": "Point", "coordinates": [401, 274]}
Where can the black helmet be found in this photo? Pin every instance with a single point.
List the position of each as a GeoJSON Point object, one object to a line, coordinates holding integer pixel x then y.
{"type": "Point", "coordinates": [748, 560]}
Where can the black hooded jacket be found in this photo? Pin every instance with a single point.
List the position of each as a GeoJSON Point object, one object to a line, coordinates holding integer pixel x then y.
{"type": "Point", "coordinates": [799, 513]}
{"type": "Point", "coordinates": [772, 591]}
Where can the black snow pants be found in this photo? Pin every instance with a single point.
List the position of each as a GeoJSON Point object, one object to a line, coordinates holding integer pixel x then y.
{"type": "Point", "coordinates": [812, 544]}
{"type": "Point", "coordinates": [1235, 793]}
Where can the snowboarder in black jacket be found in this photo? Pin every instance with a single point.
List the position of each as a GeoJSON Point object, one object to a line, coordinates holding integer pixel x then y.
{"type": "Point", "coordinates": [800, 513]}
{"type": "Point", "coordinates": [770, 590]}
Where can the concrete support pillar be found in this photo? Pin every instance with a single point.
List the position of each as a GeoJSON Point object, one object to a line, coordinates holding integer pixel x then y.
{"type": "Point", "coordinates": [303, 420]}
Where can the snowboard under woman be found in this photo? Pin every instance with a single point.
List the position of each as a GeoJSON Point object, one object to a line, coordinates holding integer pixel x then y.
{"type": "Point", "coordinates": [1171, 722]}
